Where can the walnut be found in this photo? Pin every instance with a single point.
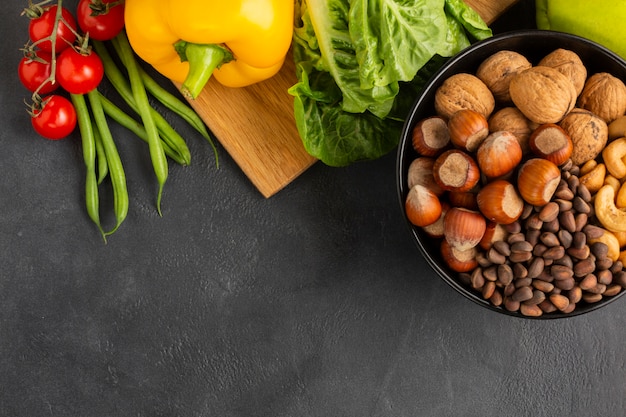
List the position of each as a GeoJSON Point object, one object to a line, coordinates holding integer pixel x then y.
{"type": "Point", "coordinates": [512, 120]}
{"type": "Point", "coordinates": [569, 64]}
{"type": "Point", "coordinates": [463, 91]}
{"type": "Point", "coordinates": [589, 134]}
{"type": "Point", "coordinates": [604, 95]}
{"type": "Point", "coordinates": [543, 94]}
{"type": "Point", "coordinates": [497, 70]}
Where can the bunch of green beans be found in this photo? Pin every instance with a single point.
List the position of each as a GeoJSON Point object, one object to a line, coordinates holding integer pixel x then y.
{"type": "Point", "coordinates": [100, 153]}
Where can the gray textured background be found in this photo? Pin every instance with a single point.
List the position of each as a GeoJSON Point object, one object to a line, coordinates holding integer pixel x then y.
{"type": "Point", "coordinates": [312, 303]}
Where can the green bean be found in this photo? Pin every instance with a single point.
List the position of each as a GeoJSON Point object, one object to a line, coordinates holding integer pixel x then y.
{"type": "Point", "coordinates": [89, 156]}
{"type": "Point", "coordinates": [120, 83]}
{"type": "Point", "coordinates": [103, 166]}
{"type": "Point", "coordinates": [116, 169]}
{"type": "Point", "coordinates": [134, 126]}
{"type": "Point", "coordinates": [159, 161]}
{"type": "Point", "coordinates": [176, 105]}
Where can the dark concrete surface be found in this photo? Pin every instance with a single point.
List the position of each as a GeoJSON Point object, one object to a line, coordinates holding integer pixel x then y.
{"type": "Point", "coordinates": [314, 302]}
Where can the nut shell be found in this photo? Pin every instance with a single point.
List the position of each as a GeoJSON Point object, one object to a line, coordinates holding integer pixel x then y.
{"type": "Point", "coordinates": [435, 230]}
{"type": "Point", "coordinates": [499, 154]}
{"type": "Point", "coordinates": [537, 181]}
{"type": "Point", "coordinates": [500, 202]}
{"type": "Point", "coordinates": [543, 94]}
{"type": "Point", "coordinates": [604, 95]}
{"type": "Point", "coordinates": [550, 141]}
{"type": "Point", "coordinates": [468, 129]}
{"type": "Point", "coordinates": [589, 134]}
{"type": "Point", "coordinates": [422, 206]}
{"type": "Point", "coordinates": [463, 91]}
{"type": "Point", "coordinates": [421, 172]}
{"type": "Point", "coordinates": [456, 170]}
{"type": "Point", "coordinates": [569, 64]}
{"type": "Point", "coordinates": [463, 228]}
{"type": "Point", "coordinates": [430, 136]}
{"type": "Point", "coordinates": [497, 71]}
{"type": "Point", "coordinates": [458, 260]}
{"type": "Point", "coordinates": [513, 120]}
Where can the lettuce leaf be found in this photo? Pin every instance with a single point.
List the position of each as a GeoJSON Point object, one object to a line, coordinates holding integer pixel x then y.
{"type": "Point", "coordinates": [357, 67]}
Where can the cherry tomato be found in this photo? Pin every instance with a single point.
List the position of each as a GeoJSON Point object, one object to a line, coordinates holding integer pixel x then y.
{"type": "Point", "coordinates": [55, 119]}
{"type": "Point", "coordinates": [104, 26]}
{"type": "Point", "coordinates": [79, 73]}
{"type": "Point", "coordinates": [34, 70]}
{"type": "Point", "coordinates": [41, 27]}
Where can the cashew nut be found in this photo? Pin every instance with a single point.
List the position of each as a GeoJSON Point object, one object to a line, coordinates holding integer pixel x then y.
{"type": "Point", "coordinates": [620, 198]}
{"type": "Point", "coordinates": [621, 238]}
{"type": "Point", "coordinates": [611, 242]}
{"type": "Point", "coordinates": [595, 178]}
{"type": "Point", "coordinates": [613, 155]}
{"type": "Point", "coordinates": [613, 182]}
{"type": "Point", "coordinates": [611, 217]}
{"type": "Point", "coordinates": [617, 128]}
{"type": "Point", "coordinates": [588, 166]}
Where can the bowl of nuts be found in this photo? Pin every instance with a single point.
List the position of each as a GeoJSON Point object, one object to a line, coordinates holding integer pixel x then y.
{"type": "Point", "coordinates": [510, 170]}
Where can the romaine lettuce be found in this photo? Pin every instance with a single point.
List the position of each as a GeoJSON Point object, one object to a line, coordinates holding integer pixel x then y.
{"type": "Point", "coordinates": [357, 64]}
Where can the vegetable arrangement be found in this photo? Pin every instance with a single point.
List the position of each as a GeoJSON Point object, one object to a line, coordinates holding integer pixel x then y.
{"type": "Point", "coordinates": [360, 65]}
{"type": "Point", "coordinates": [76, 54]}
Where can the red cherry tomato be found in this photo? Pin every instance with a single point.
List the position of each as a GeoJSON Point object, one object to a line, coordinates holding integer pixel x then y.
{"type": "Point", "coordinates": [100, 24]}
{"type": "Point", "coordinates": [55, 119]}
{"type": "Point", "coordinates": [41, 27]}
{"type": "Point", "coordinates": [34, 70]}
{"type": "Point", "coordinates": [79, 73]}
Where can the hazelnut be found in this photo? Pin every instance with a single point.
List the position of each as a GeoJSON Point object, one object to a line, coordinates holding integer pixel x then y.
{"type": "Point", "coordinates": [604, 95]}
{"type": "Point", "coordinates": [422, 206]}
{"type": "Point", "coordinates": [463, 91]}
{"type": "Point", "coordinates": [455, 170]}
{"type": "Point", "coordinates": [494, 232]}
{"type": "Point", "coordinates": [465, 199]}
{"type": "Point", "coordinates": [435, 230]}
{"type": "Point", "coordinates": [468, 129]}
{"type": "Point", "coordinates": [551, 142]}
{"type": "Point", "coordinates": [543, 94]}
{"type": "Point", "coordinates": [463, 228]}
{"type": "Point", "coordinates": [500, 202]}
{"type": "Point", "coordinates": [569, 64]}
{"type": "Point", "coordinates": [421, 172]}
{"type": "Point", "coordinates": [430, 136]}
{"type": "Point", "coordinates": [497, 70]}
{"type": "Point", "coordinates": [589, 134]}
{"type": "Point", "coordinates": [458, 260]}
{"type": "Point", "coordinates": [537, 181]}
{"type": "Point", "coordinates": [499, 154]}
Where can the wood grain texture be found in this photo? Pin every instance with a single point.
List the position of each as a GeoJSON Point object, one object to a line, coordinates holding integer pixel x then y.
{"type": "Point", "coordinates": [256, 124]}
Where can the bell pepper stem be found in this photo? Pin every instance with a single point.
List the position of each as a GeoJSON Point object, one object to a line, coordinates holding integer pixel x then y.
{"type": "Point", "coordinates": [203, 60]}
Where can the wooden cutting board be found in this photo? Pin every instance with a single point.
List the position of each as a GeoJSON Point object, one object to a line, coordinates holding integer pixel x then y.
{"type": "Point", "coordinates": [256, 124]}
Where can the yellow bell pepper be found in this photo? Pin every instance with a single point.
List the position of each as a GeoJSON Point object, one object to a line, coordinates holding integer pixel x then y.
{"type": "Point", "coordinates": [240, 42]}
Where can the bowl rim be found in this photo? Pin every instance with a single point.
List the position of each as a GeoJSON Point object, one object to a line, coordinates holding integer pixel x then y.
{"type": "Point", "coordinates": [403, 150]}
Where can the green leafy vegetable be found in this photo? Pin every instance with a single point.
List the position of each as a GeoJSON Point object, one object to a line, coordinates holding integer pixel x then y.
{"type": "Point", "coordinates": [360, 65]}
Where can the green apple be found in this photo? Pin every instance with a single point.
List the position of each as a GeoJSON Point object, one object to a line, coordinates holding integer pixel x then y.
{"type": "Point", "coordinates": [602, 21]}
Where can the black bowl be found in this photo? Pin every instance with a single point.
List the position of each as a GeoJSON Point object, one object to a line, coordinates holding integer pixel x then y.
{"type": "Point", "coordinates": [533, 44]}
